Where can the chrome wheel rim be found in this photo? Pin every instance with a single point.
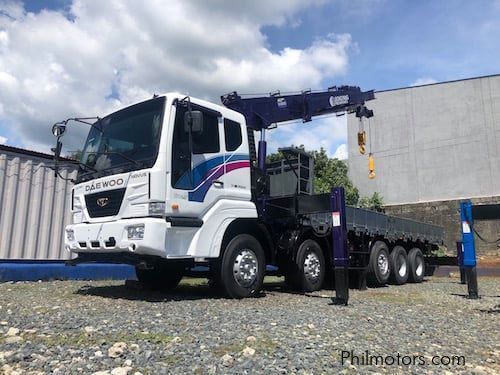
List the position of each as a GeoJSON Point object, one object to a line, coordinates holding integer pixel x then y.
{"type": "Point", "coordinates": [312, 267]}
{"type": "Point", "coordinates": [401, 265]}
{"type": "Point", "coordinates": [420, 267]}
{"type": "Point", "coordinates": [245, 268]}
{"type": "Point", "coordinates": [383, 263]}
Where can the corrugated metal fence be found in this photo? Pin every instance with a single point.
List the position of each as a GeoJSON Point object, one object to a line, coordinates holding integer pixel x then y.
{"type": "Point", "coordinates": [34, 206]}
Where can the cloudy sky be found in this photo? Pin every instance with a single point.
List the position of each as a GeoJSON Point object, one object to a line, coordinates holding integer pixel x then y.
{"type": "Point", "coordinates": [62, 58]}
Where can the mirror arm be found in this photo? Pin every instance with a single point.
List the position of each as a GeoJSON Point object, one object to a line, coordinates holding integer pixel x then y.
{"type": "Point", "coordinates": [58, 148]}
{"type": "Point", "coordinates": [57, 154]}
{"type": "Point", "coordinates": [83, 120]}
{"type": "Point", "coordinates": [57, 174]}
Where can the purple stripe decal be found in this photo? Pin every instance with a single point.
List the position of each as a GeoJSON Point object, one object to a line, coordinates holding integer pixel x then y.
{"type": "Point", "coordinates": [199, 194]}
{"type": "Point", "coordinates": [237, 165]}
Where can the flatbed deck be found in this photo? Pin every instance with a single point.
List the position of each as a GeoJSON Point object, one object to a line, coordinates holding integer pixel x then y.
{"type": "Point", "coordinates": [316, 210]}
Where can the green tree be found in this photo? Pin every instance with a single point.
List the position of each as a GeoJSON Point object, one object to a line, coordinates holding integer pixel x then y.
{"type": "Point", "coordinates": [75, 155]}
{"type": "Point", "coordinates": [375, 202]}
{"type": "Point", "coordinates": [328, 172]}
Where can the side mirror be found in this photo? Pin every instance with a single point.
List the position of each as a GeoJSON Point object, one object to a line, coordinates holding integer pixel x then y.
{"type": "Point", "coordinates": [193, 120]}
{"type": "Point", "coordinates": [58, 130]}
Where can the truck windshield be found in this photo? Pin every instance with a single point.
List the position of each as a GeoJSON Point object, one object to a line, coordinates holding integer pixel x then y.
{"type": "Point", "coordinates": [123, 141]}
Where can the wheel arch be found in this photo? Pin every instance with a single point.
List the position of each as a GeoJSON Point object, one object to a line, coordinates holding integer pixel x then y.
{"type": "Point", "coordinates": [323, 242]}
{"type": "Point", "coordinates": [254, 228]}
{"type": "Point", "coordinates": [290, 240]}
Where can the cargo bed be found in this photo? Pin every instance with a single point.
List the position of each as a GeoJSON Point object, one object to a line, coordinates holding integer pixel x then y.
{"type": "Point", "coordinates": [315, 209]}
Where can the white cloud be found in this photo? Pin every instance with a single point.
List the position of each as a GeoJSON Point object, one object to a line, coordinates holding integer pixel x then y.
{"type": "Point", "coordinates": [423, 81]}
{"type": "Point", "coordinates": [341, 152]}
{"type": "Point", "coordinates": [323, 132]}
{"type": "Point", "coordinates": [3, 140]}
{"type": "Point", "coordinates": [55, 65]}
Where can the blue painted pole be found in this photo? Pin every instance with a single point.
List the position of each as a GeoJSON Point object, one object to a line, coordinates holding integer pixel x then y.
{"type": "Point", "coordinates": [460, 259]}
{"type": "Point", "coordinates": [469, 249]}
{"type": "Point", "coordinates": [340, 248]}
{"type": "Point", "coordinates": [262, 151]}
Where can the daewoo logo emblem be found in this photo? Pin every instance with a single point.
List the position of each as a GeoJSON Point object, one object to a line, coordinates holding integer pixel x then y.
{"type": "Point", "coordinates": [101, 202]}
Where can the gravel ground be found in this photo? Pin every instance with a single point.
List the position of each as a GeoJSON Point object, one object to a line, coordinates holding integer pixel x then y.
{"type": "Point", "coordinates": [110, 327]}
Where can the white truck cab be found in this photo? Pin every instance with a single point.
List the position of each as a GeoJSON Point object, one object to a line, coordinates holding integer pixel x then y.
{"type": "Point", "coordinates": [150, 190]}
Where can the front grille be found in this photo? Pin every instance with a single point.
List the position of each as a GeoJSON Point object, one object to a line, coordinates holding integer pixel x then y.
{"type": "Point", "coordinates": [104, 203]}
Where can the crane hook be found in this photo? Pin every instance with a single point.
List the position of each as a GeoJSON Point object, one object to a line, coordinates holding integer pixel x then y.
{"type": "Point", "coordinates": [361, 137]}
{"type": "Point", "coordinates": [362, 149]}
{"type": "Point", "coordinates": [371, 166]}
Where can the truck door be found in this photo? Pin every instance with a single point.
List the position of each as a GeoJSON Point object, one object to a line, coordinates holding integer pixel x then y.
{"type": "Point", "coordinates": [197, 177]}
{"type": "Point", "coordinates": [237, 162]}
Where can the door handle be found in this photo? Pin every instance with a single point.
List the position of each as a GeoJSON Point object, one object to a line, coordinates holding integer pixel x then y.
{"type": "Point", "coordinates": [218, 184]}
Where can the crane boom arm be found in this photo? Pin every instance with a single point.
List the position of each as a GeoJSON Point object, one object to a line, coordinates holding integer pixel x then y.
{"type": "Point", "coordinates": [261, 112]}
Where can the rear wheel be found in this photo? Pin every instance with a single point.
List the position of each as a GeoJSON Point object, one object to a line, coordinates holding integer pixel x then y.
{"type": "Point", "coordinates": [417, 265]}
{"type": "Point", "coordinates": [379, 265]}
{"type": "Point", "coordinates": [399, 265]}
{"type": "Point", "coordinates": [308, 272]}
{"type": "Point", "coordinates": [242, 267]}
{"type": "Point", "coordinates": [163, 276]}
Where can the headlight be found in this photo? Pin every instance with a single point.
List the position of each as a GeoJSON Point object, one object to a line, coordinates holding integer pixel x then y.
{"type": "Point", "coordinates": [135, 232]}
{"type": "Point", "coordinates": [70, 235]}
{"type": "Point", "coordinates": [157, 209]}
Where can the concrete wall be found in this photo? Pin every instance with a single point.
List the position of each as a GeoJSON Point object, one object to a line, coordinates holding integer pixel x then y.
{"type": "Point", "coordinates": [431, 143]}
{"type": "Point", "coordinates": [34, 206]}
{"type": "Point", "coordinates": [446, 214]}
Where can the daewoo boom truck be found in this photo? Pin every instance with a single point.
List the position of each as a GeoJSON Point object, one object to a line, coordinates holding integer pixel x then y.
{"type": "Point", "coordinates": [175, 181]}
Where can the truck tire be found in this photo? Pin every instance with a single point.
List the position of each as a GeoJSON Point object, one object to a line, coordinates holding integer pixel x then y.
{"type": "Point", "coordinates": [242, 267]}
{"type": "Point", "coordinates": [146, 276]}
{"type": "Point", "coordinates": [163, 276]}
{"type": "Point", "coordinates": [379, 268]}
{"type": "Point", "coordinates": [399, 266]}
{"type": "Point", "coordinates": [307, 273]}
{"type": "Point", "coordinates": [417, 265]}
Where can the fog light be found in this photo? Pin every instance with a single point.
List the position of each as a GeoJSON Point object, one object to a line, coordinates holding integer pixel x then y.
{"type": "Point", "coordinates": [70, 235]}
{"type": "Point", "coordinates": [156, 208]}
{"type": "Point", "coordinates": [135, 232]}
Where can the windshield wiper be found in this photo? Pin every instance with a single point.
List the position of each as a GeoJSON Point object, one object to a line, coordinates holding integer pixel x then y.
{"type": "Point", "coordinates": [86, 166]}
{"type": "Point", "coordinates": [113, 166]}
{"type": "Point", "coordinates": [119, 154]}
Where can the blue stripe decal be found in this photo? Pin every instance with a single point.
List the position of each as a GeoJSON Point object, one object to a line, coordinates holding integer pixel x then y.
{"type": "Point", "coordinates": [203, 169]}
{"type": "Point", "coordinates": [235, 157]}
{"type": "Point", "coordinates": [199, 172]}
{"type": "Point", "coordinates": [201, 191]}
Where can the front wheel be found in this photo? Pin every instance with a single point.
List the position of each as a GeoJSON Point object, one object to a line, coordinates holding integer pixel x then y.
{"type": "Point", "coordinates": [308, 272]}
{"type": "Point", "coordinates": [163, 276]}
{"type": "Point", "coordinates": [243, 267]}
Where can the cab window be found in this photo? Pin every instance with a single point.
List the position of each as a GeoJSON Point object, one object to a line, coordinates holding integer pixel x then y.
{"type": "Point", "coordinates": [232, 134]}
{"type": "Point", "coordinates": [206, 142]}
